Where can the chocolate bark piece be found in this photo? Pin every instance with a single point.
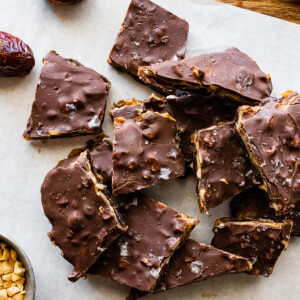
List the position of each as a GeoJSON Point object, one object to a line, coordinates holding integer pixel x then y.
{"type": "Point", "coordinates": [145, 152]}
{"type": "Point", "coordinates": [84, 222]}
{"type": "Point", "coordinates": [138, 258]}
{"type": "Point", "coordinates": [271, 134]}
{"type": "Point", "coordinates": [70, 100]}
{"type": "Point", "coordinates": [193, 112]}
{"type": "Point", "coordinates": [254, 204]}
{"type": "Point", "coordinates": [230, 74]}
{"type": "Point", "coordinates": [195, 262]}
{"type": "Point", "coordinates": [149, 34]}
{"type": "Point", "coordinates": [101, 154]}
{"type": "Point", "coordinates": [260, 241]}
{"type": "Point", "coordinates": [129, 109]}
{"type": "Point", "coordinates": [222, 167]}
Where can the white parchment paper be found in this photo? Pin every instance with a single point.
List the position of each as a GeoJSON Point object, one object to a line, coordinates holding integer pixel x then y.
{"type": "Point", "coordinates": [87, 32]}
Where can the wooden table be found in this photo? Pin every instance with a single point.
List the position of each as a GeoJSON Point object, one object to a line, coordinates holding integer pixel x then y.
{"type": "Point", "coordinates": [284, 9]}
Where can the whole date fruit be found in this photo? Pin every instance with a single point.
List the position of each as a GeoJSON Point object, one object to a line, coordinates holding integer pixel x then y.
{"type": "Point", "coordinates": [65, 2]}
{"type": "Point", "coordinates": [16, 58]}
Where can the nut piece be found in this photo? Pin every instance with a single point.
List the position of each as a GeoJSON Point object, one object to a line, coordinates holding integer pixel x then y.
{"type": "Point", "coordinates": [11, 274]}
{"type": "Point", "coordinates": [16, 58]}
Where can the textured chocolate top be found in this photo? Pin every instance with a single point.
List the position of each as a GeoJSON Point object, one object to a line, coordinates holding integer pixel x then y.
{"type": "Point", "coordinates": [260, 241]}
{"type": "Point", "coordinates": [145, 152]}
{"type": "Point", "coordinates": [149, 34]}
{"type": "Point", "coordinates": [222, 167]}
{"type": "Point", "coordinates": [140, 255]}
{"type": "Point", "coordinates": [271, 134]}
{"type": "Point", "coordinates": [253, 204]}
{"type": "Point", "coordinates": [70, 100]}
{"type": "Point", "coordinates": [230, 73]}
{"type": "Point", "coordinates": [193, 112]}
{"type": "Point", "coordinates": [129, 109]}
{"type": "Point", "coordinates": [101, 154]}
{"type": "Point", "coordinates": [83, 220]}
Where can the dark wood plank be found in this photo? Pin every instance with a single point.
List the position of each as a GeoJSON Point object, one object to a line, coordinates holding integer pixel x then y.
{"type": "Point", "coordinates": [284, 9]}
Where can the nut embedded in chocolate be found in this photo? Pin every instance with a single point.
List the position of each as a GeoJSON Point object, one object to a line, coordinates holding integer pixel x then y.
{"type": "Point", "coordinates": [145, 152]}
{"type": "Point", "coordinates": [70, 100]}
{"type": "Point", "coordinates": [230, 74]}
{"type": "Point", "coordinates": [260, 241]}
{"type": "Point", "coordinates": [149, 34]}
{"type": "Point", "coordinates": [84, 222]}
{"type": "Point", "coordinates": [271, 134]}
{"type": "Point", "coordinates": [222, 167]}
{"type": "Point", "coordinates": [139, 257]}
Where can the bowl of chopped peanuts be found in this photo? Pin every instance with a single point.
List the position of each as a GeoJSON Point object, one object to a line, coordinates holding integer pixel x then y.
{"type": "Point", "coordinates": [17, 281]}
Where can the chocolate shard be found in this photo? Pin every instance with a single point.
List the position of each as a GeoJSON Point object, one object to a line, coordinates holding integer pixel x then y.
{"type": "Point", "coordinates": [145, 152]}
{"type": "Point", "coordinates": [100, 150]}
{"type": "Point", "coordinates": [139, 257]}
{"type": "Point", "coordinates": [230, 74]}
{"type": "Point", "coordinates": [222, 167]}
{"type": "Point", "coordinates": [70, 100]}
{"type": "Point", "coordinates": [271, 134]}
{"type": "Point", "coordinates": [253, 204]}
{"type": "Point", "coordinates": [77, 204]}
{"type": "Point", "coordinates": [149, 34]}
{"type": "Point", "coordinates": [194, 262]}
{"type": "Point", "coordinates": [261, 241]}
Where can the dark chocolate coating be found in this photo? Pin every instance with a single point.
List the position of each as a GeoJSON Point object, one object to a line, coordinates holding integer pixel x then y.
{"type": "Point", "coordinates": [145, 152]}
{"type": "Point", "coordinates": [70, 100]}
{"type": "Point", "coordinates": [101, 154]}
{"type": "Point", "coordinates": [221, 165]}
{"type": "Point", "coordinates": [140, 255]}
{"type": "Point", "coordinates": [84, 222]}
{"type": "Point", "coordinates": [230, 74]}
{"type": "Point", "coordinates": [254, 204]}
{"type": "Point", "coordinates": [129, 109]}
{"type": "Point", "coordinates": [149, 34]}
{"type": "Point", "coordinates": [260, 241]}
{"type": "Point", "coordinates": [193, 112]}
{"type": "Point", "coordinates": [271, 134]}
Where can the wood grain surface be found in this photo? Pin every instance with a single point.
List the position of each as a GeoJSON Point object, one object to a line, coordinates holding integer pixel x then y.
{"type": "Point", "coordinates": [284, 9]}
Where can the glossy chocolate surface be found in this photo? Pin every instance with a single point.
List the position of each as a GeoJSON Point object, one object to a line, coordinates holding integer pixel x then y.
{"type": "Point", "coordinates": [271, 134]}
{"type": "Point", "coordinates": [70, 100]}
{"type": "Point", "coordinates": [140, 255]}
{"type": "Point", "coordinates": [77, 204]}
{"type": "Point", "coordinates": [222, 166]}
{"type": "Point", "coordinates": [260, 241]}
{"type": "Point", "coordinates": [230, 74]}
{"type": "Point", "coordinates": [145, 152]}
{"type": "Point", "coordinates": [149, 34]}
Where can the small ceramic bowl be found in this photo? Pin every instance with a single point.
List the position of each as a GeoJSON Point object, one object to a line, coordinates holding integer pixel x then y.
{"type": "Point", "coordinates": [30, 279]}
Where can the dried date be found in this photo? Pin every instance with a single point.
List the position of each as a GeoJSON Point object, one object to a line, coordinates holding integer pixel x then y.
{"type": "Point", "coordinates": [16, 58]}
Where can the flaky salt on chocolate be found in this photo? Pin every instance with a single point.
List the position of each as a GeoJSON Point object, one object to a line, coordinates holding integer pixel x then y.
{"type": "Point", "coordinates": [101, 154]}
{"type": "Point", "coordinates": [230, 74]}
{"type": "Point", "coordinates": [149, 34]}
{"type": "Point", "coordinates": [254, 204]}
{"type": "Point", "coordinates": [271, 134]}
{"type": "Point", "coordinates": [139, 257]}
{"type": "Point", "coordinates": [222, 167]}
{"type": "Point", "coordinates": [70, 100]}
{"type": "Point", "coordinates": [84, 222]}
{"type": "Point", "coordinates": [194, 262]}
{"type": "Point", "coordinates": [260, 241]}
{"type": "Point", "coordinates": [145, 152]}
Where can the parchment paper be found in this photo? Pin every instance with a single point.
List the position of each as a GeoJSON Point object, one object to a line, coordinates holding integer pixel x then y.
{"type": "Point", "coordinates": [87, 32]}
